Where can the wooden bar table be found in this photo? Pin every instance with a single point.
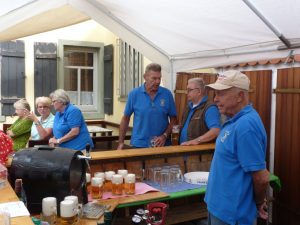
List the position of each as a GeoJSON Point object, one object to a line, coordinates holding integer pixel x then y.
{"type": "Point", "coordinates": [141, 158]}
{"type": "Point", "coordinates": [7, 194]}
{"type": "Point", "coordinates": [159, 151]}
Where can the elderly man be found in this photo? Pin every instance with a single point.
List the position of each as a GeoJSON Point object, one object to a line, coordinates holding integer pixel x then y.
{"type": "Point", "coordinates": [201, 119]}
{"type": "Point", "coordinates": [238, 176]}
{"type": "Point", "coordinates": [154, 112]}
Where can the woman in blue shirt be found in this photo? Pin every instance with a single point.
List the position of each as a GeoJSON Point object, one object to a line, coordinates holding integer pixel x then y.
{"type": "Point", "coordinates": [69, 129]}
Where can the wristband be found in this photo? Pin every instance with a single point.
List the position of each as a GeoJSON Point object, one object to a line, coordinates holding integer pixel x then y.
{"type": "Point", "coordinates": [37, 123]}
{"type": "Point", "coordinates": [58, 140]}
{"type": "Point", "coordinates": [166, 135]}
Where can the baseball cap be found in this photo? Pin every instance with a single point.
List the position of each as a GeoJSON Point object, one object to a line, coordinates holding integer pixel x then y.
{"type": "Point", "coordinates": [229, 79]}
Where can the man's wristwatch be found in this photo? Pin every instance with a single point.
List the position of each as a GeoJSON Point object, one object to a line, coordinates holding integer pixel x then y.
{"type": "Point", "coordinates": [166, 135]}
{"type": "Point", "coordinates": [37, 123]}
{"type": "Point", "coordinates": [58, 140]}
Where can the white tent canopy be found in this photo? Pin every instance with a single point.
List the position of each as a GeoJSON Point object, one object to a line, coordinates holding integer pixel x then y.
{"type": "Point", "coordinates": [181, 35]}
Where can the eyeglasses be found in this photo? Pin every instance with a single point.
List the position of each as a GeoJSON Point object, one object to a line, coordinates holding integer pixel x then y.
{"type": "Point", "coordinates": [189, 90]}
{"type": "Point", "coordinates": [43, 107]}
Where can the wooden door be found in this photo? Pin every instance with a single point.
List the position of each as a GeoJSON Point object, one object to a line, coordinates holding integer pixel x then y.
{"type": "Point", "coordinates": [287, 150]}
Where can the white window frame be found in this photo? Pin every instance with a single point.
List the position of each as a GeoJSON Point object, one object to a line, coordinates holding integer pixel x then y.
{"type": "Point", "coordinates": [95, 111]}
{"type": "Point", "coordinates": [130, 69]}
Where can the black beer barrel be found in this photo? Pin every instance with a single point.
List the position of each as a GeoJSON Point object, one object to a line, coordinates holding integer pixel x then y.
{"type": "Point", "coordinates": [49, 172]}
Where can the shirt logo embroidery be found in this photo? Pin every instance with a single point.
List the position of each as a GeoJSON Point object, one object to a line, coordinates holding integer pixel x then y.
{"type": "Point", "coordinates": [226, 134]}
{"type": "Point", "coordinates": [162, 102]}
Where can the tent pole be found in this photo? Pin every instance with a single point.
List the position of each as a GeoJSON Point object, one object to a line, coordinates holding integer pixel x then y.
{"type": "Point", "coordinates": [281, 37]}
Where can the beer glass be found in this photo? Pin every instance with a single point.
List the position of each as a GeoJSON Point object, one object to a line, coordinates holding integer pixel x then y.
{"type": "Point", "coordinates": [117, 184]}
{"type": "Point", "coordinates": [108, 178]}
{"type": "Point", "coordinates": [175, 134]}
{"type": "Point", "coordinates": [49, 210]}
{"type": "Point", "coordinates": [67, 213]}
{"type": "Point", "coordinates": [123, 172]}
{"type": "Point", "coordinates": [152, 142]}
{"type": "Point", "coordinates": [77, 206]}
{"type": "Point", "coordinates": [164, 179]}
{"type": "Point", "coordinates": [129, 184]}
{"type": "Point", "coordinates": [100, 174]}
{"type": "Point", "coordinates": [156, 176]}
{"type": "Point", "coordinates": [88, 182]}
{"type": "Point", "coordinates": [97, 187]}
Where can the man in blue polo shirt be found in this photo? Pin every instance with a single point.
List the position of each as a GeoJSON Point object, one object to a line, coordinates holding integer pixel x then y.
{"type": "Point", "coordinates": [201, 118]}
{"type": "Point", "coordinates": [154, 112]}
{"type": "Point", "coordinates": [238, 177]}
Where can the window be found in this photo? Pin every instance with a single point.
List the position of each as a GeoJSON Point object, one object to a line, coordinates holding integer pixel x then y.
{"type": "Point", "coordinates": [131, 68]}
{"type": "Point", "coordinates": [82, 76]}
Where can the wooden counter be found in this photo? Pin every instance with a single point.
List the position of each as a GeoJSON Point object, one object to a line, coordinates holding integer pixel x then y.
{"type": "Point", "coordinates": [7, 194]}
{"type": "Point", "coordinates": [142, 152]}
{"type": "Point", "coordinates": [136, 159]}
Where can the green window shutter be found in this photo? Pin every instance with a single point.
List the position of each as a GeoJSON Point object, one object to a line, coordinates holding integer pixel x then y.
{"type": "Point", "coordinates": [12, 74]}
{"type": "Point", "coordinates": [45, 68]}
{"type": "Point", "coordinates": [108, 79]}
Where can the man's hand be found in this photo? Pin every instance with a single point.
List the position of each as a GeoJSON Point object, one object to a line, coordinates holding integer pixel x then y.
{"type": "Point", "coordinates": [262, 210]}
{"type": "Point", "coordinates": [160, 141]}
{"type": "Point", "coordinates": [120, 146]}
{"type": "Point", "coordinates": [191, 142]}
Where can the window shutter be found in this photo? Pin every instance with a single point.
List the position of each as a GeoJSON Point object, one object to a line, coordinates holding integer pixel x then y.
{"type": "Point", "coordinates": [45, 68]}
{"type": "Point", "coordinates": [12, 66]}
{"type": "Point", "coordinates": [108, 79]}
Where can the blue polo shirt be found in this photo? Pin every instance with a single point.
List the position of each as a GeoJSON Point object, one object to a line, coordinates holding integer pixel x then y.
{"type": "Point", "coordinates": [151, 117]}
{"type": "Point", "coordinates": [212, 118]}
{"type": "Point", "coordinates": [70, 118]}
{"type": "Point", "coordinates": [240, 150]}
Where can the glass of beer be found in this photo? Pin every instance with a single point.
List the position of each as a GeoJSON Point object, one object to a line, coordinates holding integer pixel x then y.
{"type": "Point", "coordinates": [117, 184]}
{"type": "Point", "coordinates": [49, 210]}
{"type": "Point", "coordinates": [100, 174]}
{"type": "Point", "coordinates": [129, 185]}
{"type": "Point", "coordinates": [175, 134]}
{"type": "Point", "coordinates": [123, 172]}
{"type": "Point", "coordinates": [88, 182]}
{"type": "Point", "coordinates": [67, 212]}
{"type": "Point", "coordinates": [97, 187]}
{"type": "Point", "coordinates": [108, 178]}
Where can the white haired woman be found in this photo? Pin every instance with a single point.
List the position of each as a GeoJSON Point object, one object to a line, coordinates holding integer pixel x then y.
{"type": "Point", "coordinates": [20, 130]}
{"type": "Point", "coordinates": [42, 126]}
{"type": "Point", "coordinates": [69, 129]}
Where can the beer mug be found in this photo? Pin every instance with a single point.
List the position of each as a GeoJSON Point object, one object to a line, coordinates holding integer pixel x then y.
{"type": "Point", "coordinates": [100, 174]}
{"type": "Point", "coordinates": [97, 187]}
{"type": "Point", "coordinates": [88, 182]}
{"type": "Point", "coordinates": [129, 184]}
{"type": "Point", "coordinates": [123, 172]}
{"type": "Point", "coordinates": [68, 214]}
{"type": "Point", "coordinates": [108, 178]}
{"type": "Point", "coordinates": [49, 210]}
{"type": "Point", "coordinates": [152, 141]}
{"type": "Point", "coordinates": [175, 134]}
{"type": "Point", "coordinates": [77, 206]}
{"type": "Point", "coordinates": [117, 184]}
{"type": "Point", "coordinates": [164, 179]}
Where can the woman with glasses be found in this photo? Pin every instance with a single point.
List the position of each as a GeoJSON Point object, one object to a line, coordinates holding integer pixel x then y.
{"type": "Point", "coordinates": [19, 131]}
{"type": "Point", "coordinates": [42, 126]}
{"type": "Point", "coordinates": [69, 129]}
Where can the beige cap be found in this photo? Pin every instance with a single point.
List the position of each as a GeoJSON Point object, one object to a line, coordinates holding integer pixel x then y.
{"type": "Point", "coordinates": [229, 79]}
